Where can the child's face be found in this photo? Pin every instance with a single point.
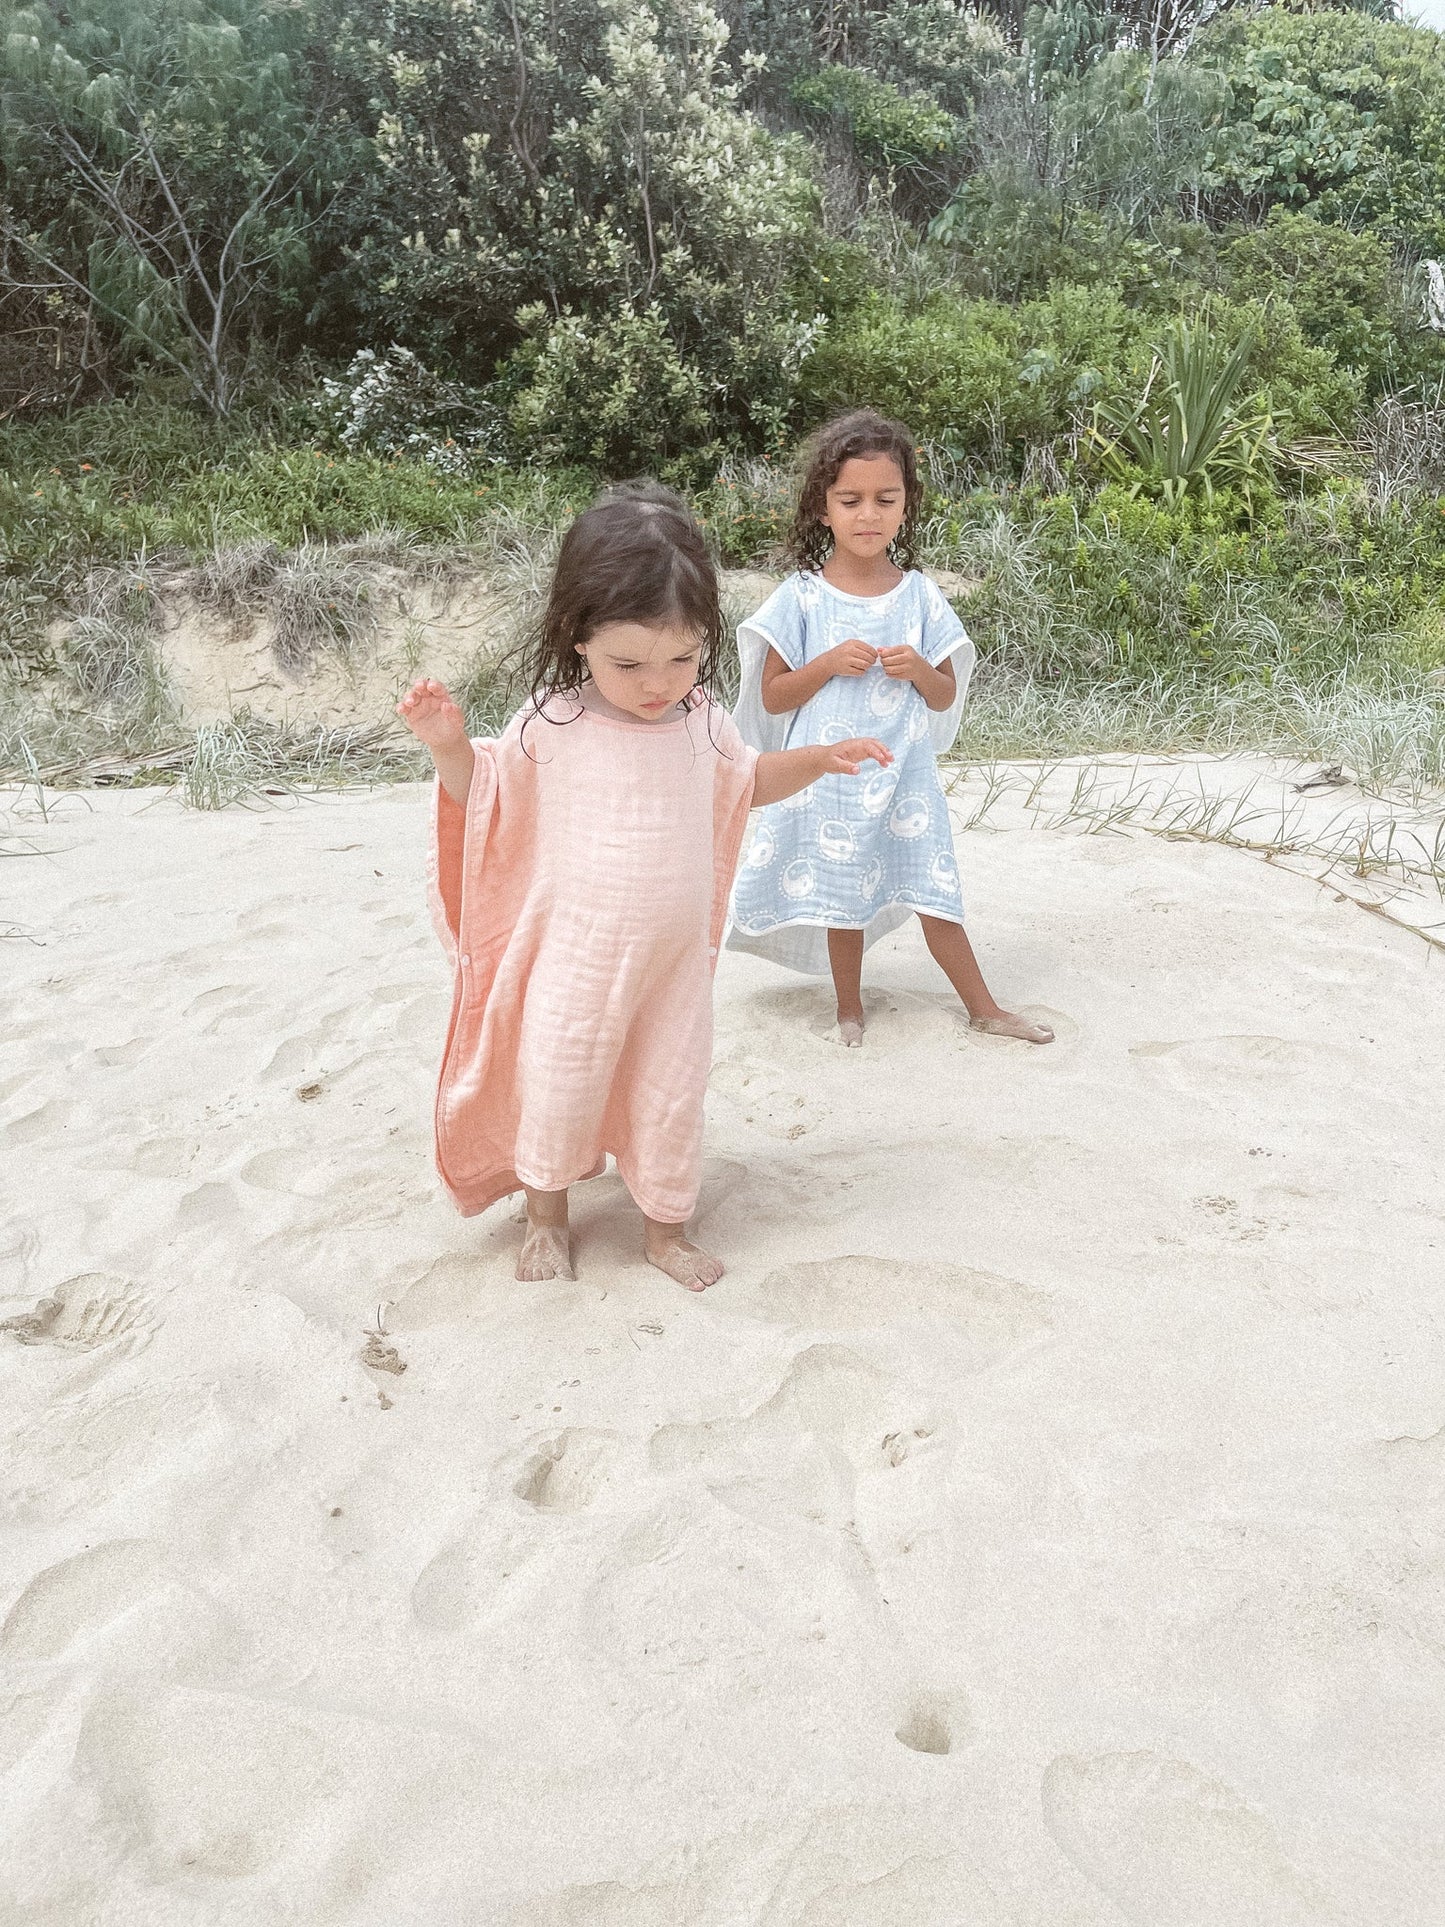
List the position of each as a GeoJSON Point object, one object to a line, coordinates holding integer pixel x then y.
{"type": "Point", "coordinates": [866, 505]}
{"type": "Point", "coordinates": [643, 669]}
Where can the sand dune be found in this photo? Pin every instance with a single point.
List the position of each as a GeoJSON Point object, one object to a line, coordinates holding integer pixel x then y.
{"type": "Point", "coordinates": [1040, 1525]}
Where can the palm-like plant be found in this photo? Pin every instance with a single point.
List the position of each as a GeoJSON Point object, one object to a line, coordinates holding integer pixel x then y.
{"type": "Point", "coordinates": [1187, 430]}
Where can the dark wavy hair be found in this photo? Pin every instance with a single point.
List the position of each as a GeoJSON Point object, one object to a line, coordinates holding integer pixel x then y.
{"type": "Point", "coordinates": [636, 555]}
{"type": "Point", "coordinates": [862, 431]}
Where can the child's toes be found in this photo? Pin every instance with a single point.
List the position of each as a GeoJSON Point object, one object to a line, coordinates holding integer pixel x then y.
{"type": "Point", "coordinates": [545, 1254]}
{"type": "Point", "coordinates": [1008, 1024]}
{"type": "Point", "coordinates": [686, 1264]}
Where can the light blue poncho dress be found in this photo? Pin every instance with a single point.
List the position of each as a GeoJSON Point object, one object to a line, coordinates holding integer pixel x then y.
{"type": "Point", "coordinates": [850, 852]}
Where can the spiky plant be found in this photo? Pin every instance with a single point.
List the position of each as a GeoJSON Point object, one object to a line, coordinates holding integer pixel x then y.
{"type": "Point", "coordinates": [1188, 431]}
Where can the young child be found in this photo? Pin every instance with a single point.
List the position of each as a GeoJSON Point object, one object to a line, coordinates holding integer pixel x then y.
{"type": "Point", "coordinates": [580, 871]}
{"type": "Point", "coordinates": [857, 639]}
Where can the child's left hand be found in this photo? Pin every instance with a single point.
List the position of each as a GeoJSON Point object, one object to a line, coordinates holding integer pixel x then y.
{"type": "Point", "coordinates": [846, 759]}
{"type": "Point", "coordinates": [901, 662]}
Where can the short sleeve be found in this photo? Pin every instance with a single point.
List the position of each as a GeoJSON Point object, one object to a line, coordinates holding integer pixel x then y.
{"type": "Point", "coordinates": [943, 633]}
{"type": "Point", "coordinates": [458, 836]}
{"type": "Point", "coordinates": [780, 624]}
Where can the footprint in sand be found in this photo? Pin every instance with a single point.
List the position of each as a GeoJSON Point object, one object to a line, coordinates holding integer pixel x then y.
{"type": "Point", "coordinates": [569, 1470]}
{"type": "Point", "coordinates": [827, 1391]}
{"type": "Point", "coordinates": [400, 993]}
{"type": "Point", "coordinates": [424, 1018]}
{"type": "Point", "coordinates": [48, 1120]}
{"type": "Point", "coordinates": [993, 1315]}
{"type": "Point", "coordinates": [1168, 1845]}
{"type": "Point", "coordinates": [78, 1452]}
{"type": "Point", "coordinates": [118, 1056]}
{"type": "Point", "coordinates": [164, 1157]}
{"type": "Point", "coordinates": [1194, 1062]}
{"type": "Point", "coordinates": [85, 1313]}
{"type": "Point", "coordinates": [933, 1723]}
{"type": "Point", "coordinates": [305, 1051]}
{"type": "Point", "coordinates": [209, 1785]}
{"type": "Point", "coordinates": [227, 1007]}
{"type": "Point", "coordinates": [81, 1595]}
{"type": "Point", "coordinates": [721, 1177]}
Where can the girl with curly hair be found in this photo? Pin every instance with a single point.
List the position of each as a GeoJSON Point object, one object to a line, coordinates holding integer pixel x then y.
{"type": "Point", "coordinates": [858, 638]}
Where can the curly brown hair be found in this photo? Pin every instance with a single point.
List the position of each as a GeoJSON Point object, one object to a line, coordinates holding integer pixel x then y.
{"type": "Point", "coordinates": [862, 431]}
{"type": "Point", "coordinates": [636, 555]}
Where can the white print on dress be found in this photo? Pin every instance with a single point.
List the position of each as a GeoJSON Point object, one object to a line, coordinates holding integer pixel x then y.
{"type": "Point", "coordinates": [910, 817]}
{"type": "Point", "coordinates": [762, 849]}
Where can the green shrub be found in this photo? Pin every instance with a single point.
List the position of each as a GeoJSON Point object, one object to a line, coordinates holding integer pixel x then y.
{"type": "Point", "coordinates": [976, 375]}
{"type": "Point", "coordinates": [1142, 593]}
{"type": "Point", "coordinates": [1333, 110]}
{"type": "Point", "coordinates": [1189, 430]}
{"type": "Point", "coordinates": [887, 129]}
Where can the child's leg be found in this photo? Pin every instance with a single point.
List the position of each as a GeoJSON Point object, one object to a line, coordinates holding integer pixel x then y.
{"type": "Point", "coordinates": [845, 954]}
{"type": "Point", "coordinates": [953, 953]}
{"type": "Point", "coordinates": [546, 1250]}
{"type": "Point", "coordinates": [670, 1251]}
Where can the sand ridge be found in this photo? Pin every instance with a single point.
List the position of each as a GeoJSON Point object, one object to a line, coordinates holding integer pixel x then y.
{"type": "Point", "coordinates": [1039, 1525]}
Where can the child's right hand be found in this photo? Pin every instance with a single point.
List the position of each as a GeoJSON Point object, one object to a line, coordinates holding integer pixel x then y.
{"type": "Point", "coordinates": [428, 711]}
{"type": "Point", "coordinates": [852, 658]}
{"type": "Point", "coordinates": [846, 759]}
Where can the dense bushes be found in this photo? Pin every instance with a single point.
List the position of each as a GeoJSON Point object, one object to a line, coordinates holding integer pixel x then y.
{"type": "Point", "coordinates": [649, 234]}
{"type": "Point", "coordinates": [989, 382]}
{"type": "Point", "coordinates": [356, 265]}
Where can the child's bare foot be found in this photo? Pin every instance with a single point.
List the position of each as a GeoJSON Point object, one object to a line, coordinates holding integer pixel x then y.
{"type": "Point", "coordinates": [547, 1248]}
{"type": "Point", "coordinates": [546, 1253]}
{"type": "Point", "coordinates": [666, 1248]}
{"type": "Point", "coordinates": [1005, 1023]}
{"type": "Point", "coordinates": [850, 1025]}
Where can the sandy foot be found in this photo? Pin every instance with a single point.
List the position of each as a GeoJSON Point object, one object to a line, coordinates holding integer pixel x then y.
{"type": "Point", "coordinates": [546, 1253]}
{"type": "Point", "coordinates": [683, 1261]}
{"type": "Point", "coordinates": [1008, 1024]}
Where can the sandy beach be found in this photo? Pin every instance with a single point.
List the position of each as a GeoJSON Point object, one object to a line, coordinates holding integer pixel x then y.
{"type": "Point", "coordinates": [1041, 1525]}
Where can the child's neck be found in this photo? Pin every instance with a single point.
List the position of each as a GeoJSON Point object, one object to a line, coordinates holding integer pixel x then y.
{"type": "Point", "coordinates": [861, 575]}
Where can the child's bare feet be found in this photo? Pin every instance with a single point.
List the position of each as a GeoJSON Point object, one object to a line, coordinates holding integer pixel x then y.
{"type": "Point", "coordinates": [546, 1253]}
{"type": "Point", "coordinates": [1006, 1023]}
{"type": "Point", "coordinates": [850, 1031]}
{"type": "Point", "coordinates": [666, 1248]}
{"type": "Point", "coordinates": [547, 1248]}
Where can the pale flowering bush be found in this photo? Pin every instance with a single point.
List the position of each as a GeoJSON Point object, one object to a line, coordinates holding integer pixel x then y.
{"type": "Point", "coordinates": [393, 404]}
{"type": "Point", "coordinates": [570, 202]}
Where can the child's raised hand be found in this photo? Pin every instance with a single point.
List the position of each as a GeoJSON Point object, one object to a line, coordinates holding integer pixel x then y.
{"type": "Point", "coordinates": [852, 658]}
{"type": "Point", "coordinates": [846, 759]}
{"type": "Point", "coordinates": [428, 711]}
{"type": "Point", "coordinates": [901, 662]}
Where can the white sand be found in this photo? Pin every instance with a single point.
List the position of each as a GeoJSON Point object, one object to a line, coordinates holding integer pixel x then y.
{"type": "Point", "coordinates": [1040, 1526]}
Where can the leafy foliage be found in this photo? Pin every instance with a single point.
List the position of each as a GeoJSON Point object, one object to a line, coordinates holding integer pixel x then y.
{"type": "Point", "coordinates": [1335, 110]}
{"type": "Point", "coordinates": [158, 161]}
{"type": "Point", "coordinates": [564, 180]}
{"type": "Point", "coordinates": [1187, 431]}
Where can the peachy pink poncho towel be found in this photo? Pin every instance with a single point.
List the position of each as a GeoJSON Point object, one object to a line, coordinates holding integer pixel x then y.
{"type": "Point", "coordinates": [582, 896]}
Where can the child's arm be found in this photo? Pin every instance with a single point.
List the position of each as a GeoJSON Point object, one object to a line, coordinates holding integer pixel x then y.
{"type": "Point", "coordinates": [429, 712]}
{"type": "Point", "coordinates": [784, 689]}
{"type": "Point", "coordinates": [783, 772]}
{"type": "Point", "coordinates": [937, 687]}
